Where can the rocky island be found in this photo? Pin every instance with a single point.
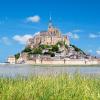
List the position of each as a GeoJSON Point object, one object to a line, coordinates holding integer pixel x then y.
{"type": "Point", "coordinates": [52, 47]}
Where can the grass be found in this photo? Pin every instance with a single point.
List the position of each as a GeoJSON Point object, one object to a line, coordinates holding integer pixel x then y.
{"type": "Point", "coordinates": [61, 87]}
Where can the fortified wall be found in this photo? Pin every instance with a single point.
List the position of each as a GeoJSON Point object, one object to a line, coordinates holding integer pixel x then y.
{"type": "Point", "coordinates": [64, 62]}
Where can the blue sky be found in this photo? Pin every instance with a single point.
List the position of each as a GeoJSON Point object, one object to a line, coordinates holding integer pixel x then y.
{"type": "Point", "coordinates": [20, 19]}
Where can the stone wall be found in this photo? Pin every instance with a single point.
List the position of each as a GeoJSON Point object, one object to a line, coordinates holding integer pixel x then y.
{"type": "Point", "coordinates": [66, 62]}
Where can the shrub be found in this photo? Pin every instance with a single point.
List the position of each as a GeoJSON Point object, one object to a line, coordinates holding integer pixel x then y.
{"type": "Point", "coordinates": [27, 49]}
{"type": "Point", "coordinates": [17, 55]}
{"type": "Point", "coordinates": [37, 51]}
{"type": "Point", "coordinates": [55, 48]}
{"type": "Point", "coordinates": [61, 43]}
{"type": "Point", "coordinates": [77, 49]}
{"type": "Point", "coordinates": [44, 46]}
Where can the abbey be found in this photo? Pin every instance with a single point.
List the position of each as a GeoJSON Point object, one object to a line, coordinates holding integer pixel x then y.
{"type": "Point", "coordinates": [49, 37]}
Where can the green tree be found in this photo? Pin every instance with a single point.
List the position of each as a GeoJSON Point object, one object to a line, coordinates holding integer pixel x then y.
{"type": "Point", "coordinates": [37, 51]}
{"type": "Point", "coordinates": [66, 46]}
{"type": "Point", "coordinates": [77, 49]}
{"type": "Point", "coordinates": [27, 50]}
{"type": "Point", "coordinates": [44, 46]}
{"type": "Point", "coordinates": [61, 43]}
{"type": "Point", "coordinates": [17, 55]}
{"type": "Point", "coordinates": [55, 48]}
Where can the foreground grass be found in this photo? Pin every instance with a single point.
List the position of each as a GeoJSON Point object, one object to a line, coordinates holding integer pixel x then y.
{"type": "Point", "coordinates": [62, 87]}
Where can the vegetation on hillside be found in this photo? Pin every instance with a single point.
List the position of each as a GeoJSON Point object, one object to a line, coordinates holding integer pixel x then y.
{"type": "Point", "coordinates": [77, 49]}
{"type": "Point", "coordinates": [44, 46]}
{"type": "Point", "coordinates": [27, 50]}
{"type": "Point", "coordinates": [55, 48]}
{"type": "Point", "coordinates": [39, 50]}
{"type": "Point", "coordinates": [61, 87]}
{"type": "Point", "coordinates": [49, 49]}
{"type": "Point", "coordinates": [17, 56]}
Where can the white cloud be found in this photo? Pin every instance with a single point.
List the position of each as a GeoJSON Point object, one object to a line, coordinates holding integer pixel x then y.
{"type": "Point", "coordinates": [37, 33]}
{"type": "Point", "coordinates": [5, 40]}
{"type": "Point", "coordinates": [73, 36]}
{"type": "Point", "coordinates": [22, 39]}
{"type": "Point", "coordinates": [35, 19]}
{"type": "Point", "coordinates": [94, 35]}
{"type": "Point", "coordinates": [98, 52]}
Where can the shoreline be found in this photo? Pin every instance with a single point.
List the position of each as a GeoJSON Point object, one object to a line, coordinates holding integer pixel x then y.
{"type": "Point", "coordinates": [53, 65]}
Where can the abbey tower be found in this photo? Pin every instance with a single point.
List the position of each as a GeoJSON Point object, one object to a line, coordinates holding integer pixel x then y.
{"type": "Point", "coordinates": [49, 37]}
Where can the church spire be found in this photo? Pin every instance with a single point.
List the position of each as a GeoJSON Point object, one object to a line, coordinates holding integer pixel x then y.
{"type": "Point", "coordinates": [50, 22]}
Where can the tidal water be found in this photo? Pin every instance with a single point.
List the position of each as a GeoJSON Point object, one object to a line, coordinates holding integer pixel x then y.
{"type": "Point", "coordinates": [26, 70]}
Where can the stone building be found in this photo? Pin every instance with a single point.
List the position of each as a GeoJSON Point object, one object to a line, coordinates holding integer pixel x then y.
{"type": "Point", "coordinates": [11, 60]}
{"type": "Point", "coordinates": [49, 37]}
